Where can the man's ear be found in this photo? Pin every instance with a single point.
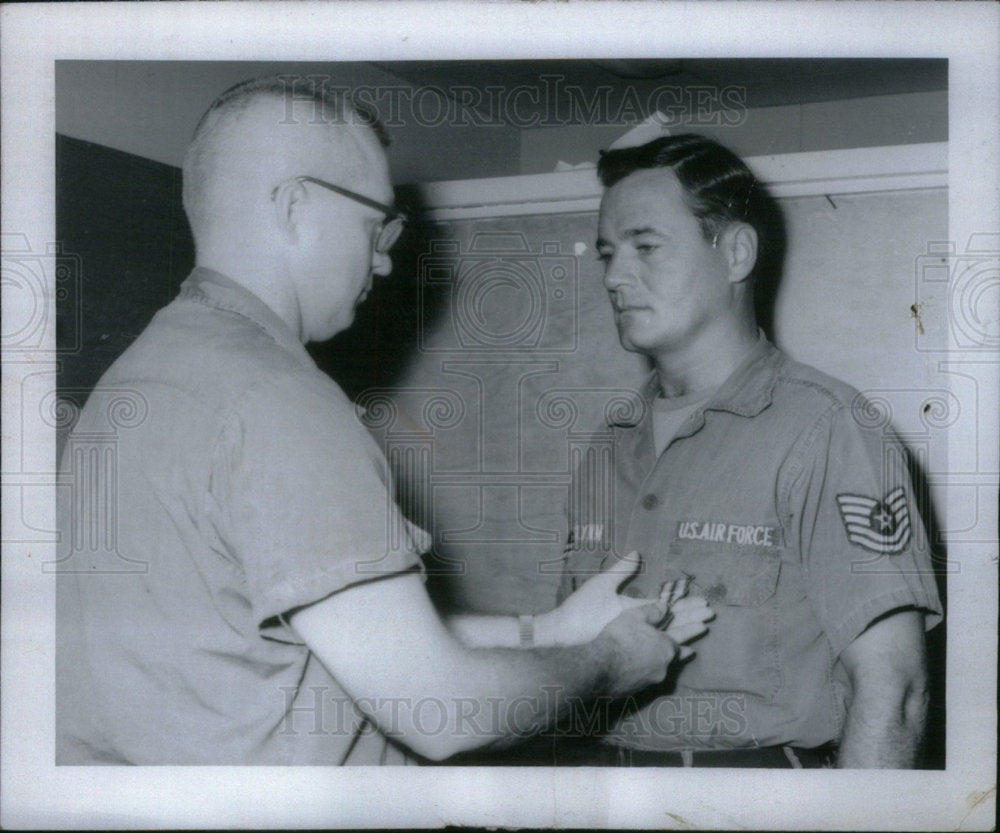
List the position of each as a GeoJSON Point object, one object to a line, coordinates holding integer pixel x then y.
{"type": "Point", "coordinates": [740, 246]}
{"type": "Point", "coordinates": [287, 199]}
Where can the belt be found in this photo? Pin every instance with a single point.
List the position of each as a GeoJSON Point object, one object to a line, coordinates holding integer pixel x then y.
{"type": "Point", "coordinates": [761, 757]}
{"type": "Point", "coordinates": [562, 751]}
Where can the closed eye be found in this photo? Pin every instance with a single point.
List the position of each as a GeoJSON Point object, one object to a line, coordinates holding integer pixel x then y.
{"type": "Point", "coordinates": [646, 240]}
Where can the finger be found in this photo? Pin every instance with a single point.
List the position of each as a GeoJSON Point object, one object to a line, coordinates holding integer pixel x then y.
{"type": "Point", "coordinates": [692, 609]}
{"type": "Point", "coordinates": [693, 613]}
{"type": "Point", "coordinates": [652, 611]}
{"type": "Point", "coordinates": [690, 601]}
{"type": "Point", "coordinates": [627, 568]}
{"type": "Point", "coordinates": [630, 560]}
{"type": "Point", "coordinates": [624, 568]}
{"type": "Point", "coordinates": [628, 603]}
{"type": "Point", "coordinates": [616, 572]}
{"type": "Point", "coordinates": [673, 647]}
{"type": "Point", "coordinates": [687, 632]}
{"type": "Point", "coordinates": [700, 620]}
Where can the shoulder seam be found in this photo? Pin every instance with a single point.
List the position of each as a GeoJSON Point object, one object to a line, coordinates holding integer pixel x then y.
{"type": "Point", "coordinates": [834, 400]}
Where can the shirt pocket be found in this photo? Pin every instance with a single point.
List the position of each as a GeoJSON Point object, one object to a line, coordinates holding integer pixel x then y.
{"type": "Point", "coordinates": [741, 652]}
{"type": "Point", "coordinates": [751, 577]}
{"type": "Point", "coordinates": [737, 576]}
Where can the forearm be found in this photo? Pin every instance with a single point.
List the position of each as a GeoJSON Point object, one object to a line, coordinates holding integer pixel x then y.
{"type": "Point", "coordinates": [884, 732]}
{"type": "Point", "coordinates": [888, 673]}
{"type": "Point", "coordinates": [484, 631]}
{"type": "Point", "coordinates": [497, 697]}
{"type": "Point", "coordinates": [578, 620]}
{"type": "Point", "coordinates": [440, 697]}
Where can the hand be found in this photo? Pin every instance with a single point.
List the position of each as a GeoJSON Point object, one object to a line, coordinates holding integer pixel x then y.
{"type": "Point", "coordinates": [584, 615]}
{"type": "Point", "coordinates": [688, 618]}
{"type": "Point", "coordinates": [638, 652]}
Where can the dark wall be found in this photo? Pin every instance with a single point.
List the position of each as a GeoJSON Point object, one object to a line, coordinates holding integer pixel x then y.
{"type": "Point", "coordinates": [385, 337]}
{"type": "Point", "coordinates": [119, 217]}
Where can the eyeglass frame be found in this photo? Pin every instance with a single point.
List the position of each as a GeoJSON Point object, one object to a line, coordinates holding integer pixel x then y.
{"type": "Point", "coordinates": [392, 215]}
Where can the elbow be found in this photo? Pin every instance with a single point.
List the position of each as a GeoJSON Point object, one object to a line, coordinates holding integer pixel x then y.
{"type": "Point", "coordinates": [916, 698]}
{"type": "Point", "coordinates": [434, 749]}
{"type": "Point", "coordinates": [452, 746]}
{"type": "Point", "coordinates": [898, 700]}
{"type": "Point", "coordinates": [439, 746]}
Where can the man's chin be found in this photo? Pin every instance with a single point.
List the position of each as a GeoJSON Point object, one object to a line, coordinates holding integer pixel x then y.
{"type": "Point", "coordinates": [631, 341]}
{"type": "Point", "coordinates": [335, 329]}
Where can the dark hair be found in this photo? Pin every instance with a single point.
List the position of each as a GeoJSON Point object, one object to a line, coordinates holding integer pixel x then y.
{"type": "Point", "coordinates": [718, 187]}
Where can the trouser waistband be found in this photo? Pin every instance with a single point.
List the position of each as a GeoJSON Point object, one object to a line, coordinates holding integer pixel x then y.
{"type": "Point", "coordinates": [762, 757]}
{"type": "Point", "coordinates": [562, 751]}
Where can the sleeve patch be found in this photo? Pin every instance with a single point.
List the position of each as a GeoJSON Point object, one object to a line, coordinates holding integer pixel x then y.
{"type": "Point", "coordinates": [879, 526]}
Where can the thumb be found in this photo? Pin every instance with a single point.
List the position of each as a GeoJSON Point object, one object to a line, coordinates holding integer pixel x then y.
{"type": "Point", "coordinates": [615, 572]}
{"type": "Point", "coordinates": [622, 569]}
{"type": "Point", "coordinates": [652, 611]}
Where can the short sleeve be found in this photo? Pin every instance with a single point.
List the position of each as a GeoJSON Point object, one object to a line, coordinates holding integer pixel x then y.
{"type": "Point", "coordinates": [864, 549]}
{"type": "Point", "coordinates": [304, 500]}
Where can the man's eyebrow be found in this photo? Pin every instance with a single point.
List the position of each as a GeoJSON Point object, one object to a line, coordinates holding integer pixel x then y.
{"type": "Point", "coordinates": [638, 232]}
{"type": "Point", "coordinates": [630, 233]}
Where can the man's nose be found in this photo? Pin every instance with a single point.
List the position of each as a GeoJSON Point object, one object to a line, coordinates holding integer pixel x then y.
{"type": "Point", "coordinates": [617, 272]}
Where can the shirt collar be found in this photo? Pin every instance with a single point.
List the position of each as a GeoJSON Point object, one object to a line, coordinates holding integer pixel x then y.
{"type": "Point", "coordinates": [209, 287]}
{"type": "Point", "coordinates": [748, 389]}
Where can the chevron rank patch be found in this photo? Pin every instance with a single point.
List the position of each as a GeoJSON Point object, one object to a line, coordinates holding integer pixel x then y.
{"type": "Point", "coordinates": [881, 526]}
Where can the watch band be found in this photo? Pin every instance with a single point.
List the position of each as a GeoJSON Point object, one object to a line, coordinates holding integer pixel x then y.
{"type": "Point", "coordinates": [526, 630]}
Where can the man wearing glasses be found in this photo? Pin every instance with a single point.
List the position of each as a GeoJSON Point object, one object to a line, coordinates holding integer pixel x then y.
{"type": "Point", "coordinates": [263, 601]}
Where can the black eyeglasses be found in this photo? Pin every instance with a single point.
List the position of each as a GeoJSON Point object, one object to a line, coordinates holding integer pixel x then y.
{"type": "Point", "coordinates": [392, 225]}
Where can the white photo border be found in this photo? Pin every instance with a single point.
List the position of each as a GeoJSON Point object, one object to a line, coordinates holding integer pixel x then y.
{"type": "Point", "coordinates": [36, 794]}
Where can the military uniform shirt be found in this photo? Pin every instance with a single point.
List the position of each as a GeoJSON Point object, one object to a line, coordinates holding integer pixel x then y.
{"type": "Point", "coordinates": [788, 503]}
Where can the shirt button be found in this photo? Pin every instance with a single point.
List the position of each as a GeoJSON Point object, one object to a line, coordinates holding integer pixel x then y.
{"type": "Point", "coordinates": [650, 501]}
{"type": "Point", "coordinates": [716, 593]}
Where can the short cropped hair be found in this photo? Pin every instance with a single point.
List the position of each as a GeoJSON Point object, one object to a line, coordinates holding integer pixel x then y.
{"type": "Point", "coordinates": [718, 186]}
{"type": "Point", "coordinates": [208, 145]}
